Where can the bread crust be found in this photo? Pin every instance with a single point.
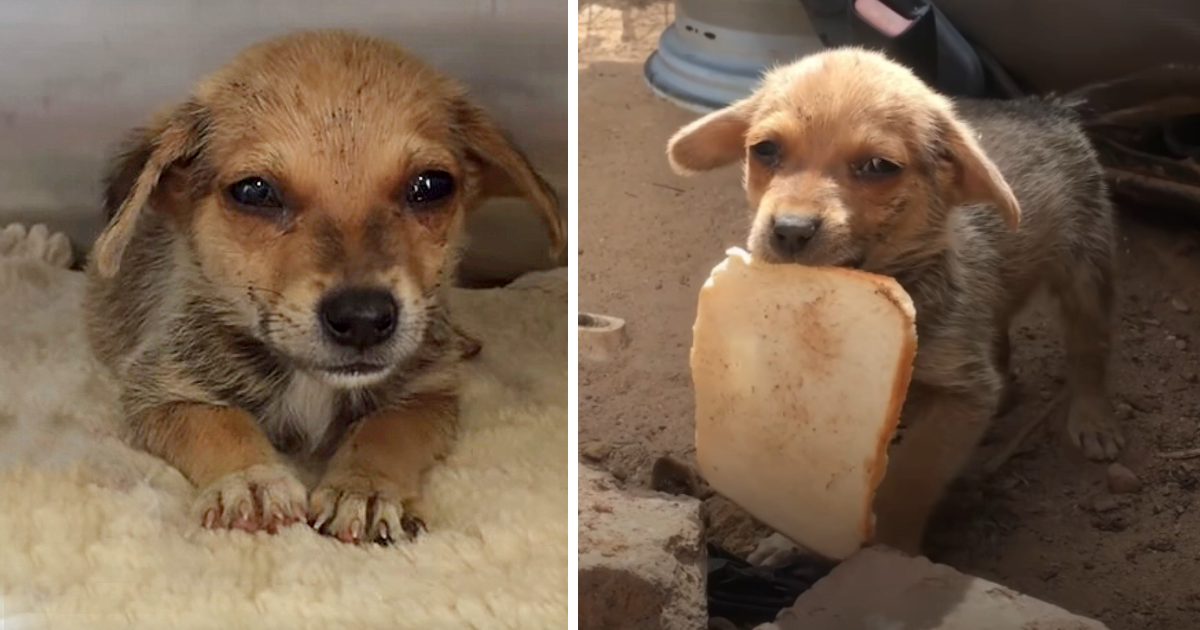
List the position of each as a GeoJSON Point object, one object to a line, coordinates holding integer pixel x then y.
{"type": "Point", "coordinates": [714, 361]}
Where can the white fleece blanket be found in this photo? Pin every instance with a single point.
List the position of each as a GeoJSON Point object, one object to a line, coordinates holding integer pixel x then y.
{"type": "Point", "coordinates": [95, 535]}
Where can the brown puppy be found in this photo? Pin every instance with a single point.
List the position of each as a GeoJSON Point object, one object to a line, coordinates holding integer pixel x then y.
{"type": "Point", "coordinates": [271, 279]}
{"type": "Point", "coordinates": [851, 160]}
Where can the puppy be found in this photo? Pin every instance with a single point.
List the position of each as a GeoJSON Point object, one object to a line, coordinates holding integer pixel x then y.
{"type": "Point", "coordinates": [271, 279]}
{"type": "Point", "coordinates": [850, 160]}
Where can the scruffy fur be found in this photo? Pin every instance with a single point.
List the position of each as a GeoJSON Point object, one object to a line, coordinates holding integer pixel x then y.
{"type": "Point", "coordinates": [989, 202]}
{"type": "Point", "coordinates": [207, 312]}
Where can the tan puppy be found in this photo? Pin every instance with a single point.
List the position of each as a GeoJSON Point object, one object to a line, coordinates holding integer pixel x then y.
{"type": "Point", "coordinates": [850, 160]}
{"type": "Point", "coordinates": [271, 279]}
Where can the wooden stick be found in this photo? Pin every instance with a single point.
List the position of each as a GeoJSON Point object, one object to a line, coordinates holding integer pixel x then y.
{"type": "Point", "coordinates": [999, 459]}
{"type": "Point", "coordinates": [1187, 453]}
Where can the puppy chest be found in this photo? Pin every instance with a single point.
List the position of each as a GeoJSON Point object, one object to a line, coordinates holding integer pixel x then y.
{"type": "Point", "coordinates": [303, 414]}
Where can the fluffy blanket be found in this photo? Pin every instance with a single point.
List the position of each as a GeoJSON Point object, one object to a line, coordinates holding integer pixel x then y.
{"type": "Point", "coordinates": [96, 535]}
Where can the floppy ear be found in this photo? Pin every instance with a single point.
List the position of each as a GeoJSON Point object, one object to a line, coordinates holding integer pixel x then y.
{"type": "Point", "coordinates": [506, 171]}
{"type": "Point", "coordinates": [978, 179]}
{"type": "Point", "coordinates": [713, 141]}
{"type": "Point", "coordinates": [133, 175]}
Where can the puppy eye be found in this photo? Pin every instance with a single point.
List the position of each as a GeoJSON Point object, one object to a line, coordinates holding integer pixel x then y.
{"type": "Point", "coordinates": [255, 192]}
{"type": "Point", "coordinates": [877, 167]}
{"type": "Point", "coordinates": [429, 187]}
{"type": "Point", "coordinates": [766, 151]}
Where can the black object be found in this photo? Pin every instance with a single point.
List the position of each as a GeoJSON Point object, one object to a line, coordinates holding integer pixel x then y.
{"type": "Point", "coordinates": [359, 318]}
{"type": "Point", "coordinates": [1146, 127]}
{"type": "Point", "coordinates": [745, 594]}
{"type": "Point", "coordinates": [1182, 137]}
{"type": "Point", "coordinates": [929, 45]}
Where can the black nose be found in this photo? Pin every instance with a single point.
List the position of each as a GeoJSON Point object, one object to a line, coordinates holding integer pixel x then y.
{"type": "Point", "coordinates": [359, 318]}
{"type": "Point", "coordinates": [790, 233]}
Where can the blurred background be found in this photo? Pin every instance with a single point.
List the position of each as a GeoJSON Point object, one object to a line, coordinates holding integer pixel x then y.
{"type": "Point", "coordinates": [77, 74]}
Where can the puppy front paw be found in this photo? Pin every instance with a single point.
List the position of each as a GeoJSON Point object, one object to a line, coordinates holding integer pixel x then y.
{"type": "Point", "coordinates": [264, 497]}
{"type": "Point", "coordinates": [355, 508]}
{"type": "Point", "coordinates": [37, 243]}
{"type": "Point", "coordinates": [1092, 428]}
{"type": "Point", "coordinates": [773, 551]}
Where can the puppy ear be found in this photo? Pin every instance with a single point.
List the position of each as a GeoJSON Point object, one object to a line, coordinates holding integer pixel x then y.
{"type": "Point", "coordinates": [506, 171]}
{"type": "Point", "coordinates": [134, 174]}
{"type": "Point", "coordinates": [978, 179]}
{"type": "Point", "coordinates": [713, 141]}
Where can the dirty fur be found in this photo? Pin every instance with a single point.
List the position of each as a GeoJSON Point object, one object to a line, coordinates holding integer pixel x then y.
{"type": "Point", "coordinates": [207, 310]}
{"type": "Point", "coordinates": [973, 206]}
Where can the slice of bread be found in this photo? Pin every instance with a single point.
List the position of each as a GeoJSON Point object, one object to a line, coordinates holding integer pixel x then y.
{"type": "Point", "coordinates": [800, 374]}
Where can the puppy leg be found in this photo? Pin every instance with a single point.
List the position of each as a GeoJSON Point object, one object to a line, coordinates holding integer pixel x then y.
{"type": "Point", "coordinates": [1002, 354]}
{"type": "Point", "coordinates": [1086, 296]}
{"type": "Point", "coordinates": [222, 451]}
{"type": "Point", "coordinates": [378, 470]}
{"type": "Point", "coordinates": [774, 551]}
{"type": "Point", "coordinates": [944, 431]}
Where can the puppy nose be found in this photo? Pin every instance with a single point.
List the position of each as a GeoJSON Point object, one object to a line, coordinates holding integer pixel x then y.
{"type": "Point", "coordinates": [359, 318]}
{"type": "Point", "coordinates": [791, 232]}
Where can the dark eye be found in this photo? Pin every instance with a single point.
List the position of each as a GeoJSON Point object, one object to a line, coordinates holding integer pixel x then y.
{"type": "Point", "coordinates": [255, 192]}
{"type": "Point", "coordinates": [428, 188]}
{"type": "Point", "coordinates": [877, 167]}
{"type": "Point", "coordinates": [766, 151]}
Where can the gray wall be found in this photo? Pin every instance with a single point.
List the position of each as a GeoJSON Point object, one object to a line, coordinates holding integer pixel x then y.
{"type": "Point", "coordinates": [75, 74]}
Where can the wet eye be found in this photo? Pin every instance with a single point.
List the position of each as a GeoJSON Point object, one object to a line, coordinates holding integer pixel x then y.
{"type": "Point", "coordinates": [765, 151]}
{"type": "Point", "coordinates": [877, 167]}
{"type": "Point", "coordinates": [429, 188]}
{"type": "Point", "coordinates": [255, 192]}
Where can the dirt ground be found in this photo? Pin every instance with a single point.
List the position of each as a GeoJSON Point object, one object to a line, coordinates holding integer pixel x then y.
{"type": "Point", "coordinates": [1045, 524]}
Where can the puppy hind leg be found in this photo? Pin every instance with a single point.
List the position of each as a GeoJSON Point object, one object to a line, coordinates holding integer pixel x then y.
{"type": "Point", "coordinates": [1086, 297]}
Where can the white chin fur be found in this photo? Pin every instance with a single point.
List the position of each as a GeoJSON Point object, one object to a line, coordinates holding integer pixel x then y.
{"type": "Point", "coordinates": [353, 380]}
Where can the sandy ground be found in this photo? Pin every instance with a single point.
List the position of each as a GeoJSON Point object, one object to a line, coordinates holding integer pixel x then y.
{"type": "Point", "coordinates": [1046, 523]}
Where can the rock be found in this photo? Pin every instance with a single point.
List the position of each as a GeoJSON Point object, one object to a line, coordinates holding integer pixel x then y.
{"type": "Point", "coordinates": [1124, 411]}
{"type": "Point", "coordinates": [642, 561]}
{"type": "Point", "coordinates": [1161, 544]}
{"type": "Point", "coordinates": [1110, 523]}
{"type": "Point", "coordinates": [1180, 344]}
{"type": "Point", "coordinates": [595, 451]}
{"type": "Point", "coordinates": [1121, 480]}
{"type": "Point", "coordinates": [601, 337]}
{"type": "Point", "coordinates": [1106, 503]}
{"type": "Point", "coordinates": [1180, 305]}
{"type": "Point", "coordinates": [879, 588]}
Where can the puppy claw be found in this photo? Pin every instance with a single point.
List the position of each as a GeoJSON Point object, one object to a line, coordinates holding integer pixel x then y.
{"type": "Point", "coordinates": [322, 508]}
{"type": "Point", "coordinates": [259, 498]}
{"type": "Point", "coordinates": [245, 517]}
{"type": "Point", "coordinates": [357, 513]}
{"type": "Point", "coordinates": [1098, 445]}
{"type": "Point", "coordinates": [413, 526]}
{"type": "Point", "coordinates": [387, 515]}
{"type": "Point", "coordinates": [1093, 430]}
{"type": "Point", "coordinates": [383, 535]}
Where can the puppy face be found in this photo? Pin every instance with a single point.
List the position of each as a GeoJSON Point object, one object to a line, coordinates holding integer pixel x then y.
{"type": "Point", "coordinates": [850, 160]}
{"type": "Point", "coordinates": [322, 180]}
